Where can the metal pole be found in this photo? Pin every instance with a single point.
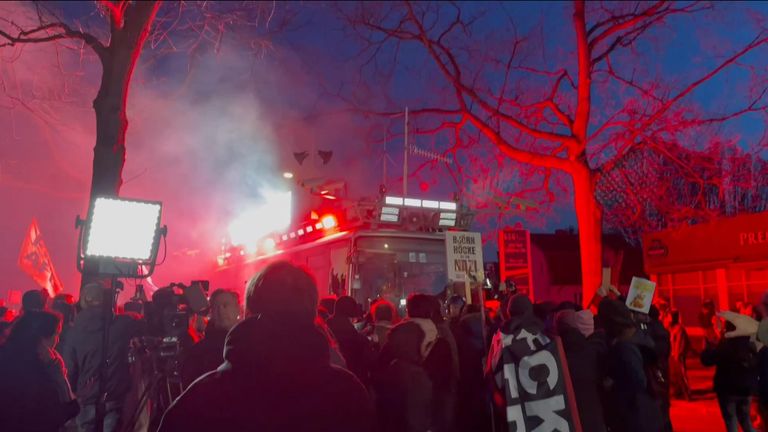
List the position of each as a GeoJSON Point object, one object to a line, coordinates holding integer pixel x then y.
{"type": "Point", "coordinates": [405, 156]}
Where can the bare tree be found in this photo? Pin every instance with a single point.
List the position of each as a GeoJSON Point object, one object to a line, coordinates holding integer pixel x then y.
{"type": "Point", "coordinates": [546, 116]}
{"type": "Point", "coordinates": [169, 27]}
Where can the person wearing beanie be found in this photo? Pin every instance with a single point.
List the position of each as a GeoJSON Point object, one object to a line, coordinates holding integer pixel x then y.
{"type": "Point", "coordinates": [631, 402]}
{"type": "Point", "coordinates": [357, 350]}
{"type": "Point", "coordinates": [583, 357]}
{"type": "Point", "coordinates": [277, 373]}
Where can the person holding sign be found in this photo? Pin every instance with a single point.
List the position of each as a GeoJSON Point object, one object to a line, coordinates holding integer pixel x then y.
{"type": "Point", "coordinates": [632, 404]}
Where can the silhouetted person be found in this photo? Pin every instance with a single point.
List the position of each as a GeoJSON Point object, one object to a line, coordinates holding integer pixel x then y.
{"type": "Point", "coordinates": [277, 374]}
{"type": "Point", "coordinates": [83, 354]}
{"type": "Point", "coordinates": [384, 318]}
{"type": "Point", "coordinates": [208, 354]}
{"type": "Point", "coordinates": [403, 389]}
{"type": "Point", "coordinates": [35, 393]}
{"type": "Point", "coordinates": [583, 356]}
{"type": "Point", "coordinates": [356, 348]}
{"type": "Point", "coordinates": [64, 304]}
{"type": "Point", "coordinates": [34, 300]}
{"type": "Point", "coordinates": [735, 379]}
{"type": "Point", "coordinates": [631, 402]}
{"type": "Point", "coordinates": [678, 371]}
{"type": "Point", "coordinates": [441, 363]}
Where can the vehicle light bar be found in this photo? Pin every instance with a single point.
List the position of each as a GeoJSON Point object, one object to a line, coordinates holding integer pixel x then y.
{"type": "Point", "coordinates": [412, 202]}
{"type": "Point", "coordinates": [430, 204]}
{"type": "Point", "coordinates": [393, 200]}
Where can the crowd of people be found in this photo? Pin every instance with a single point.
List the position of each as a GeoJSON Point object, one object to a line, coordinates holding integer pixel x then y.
{"type": "Point", "coordinates": [282, 359]}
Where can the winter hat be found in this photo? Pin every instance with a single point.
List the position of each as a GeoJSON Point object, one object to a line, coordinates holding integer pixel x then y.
{"type": "Point", "coordinates": [519, 305]}
{"type": "Point", "coordinates": [565, 319]}
{"type": "Point", "coordinates": [430, 334]}
{"type": "Point", "coordinates": [585, 322]}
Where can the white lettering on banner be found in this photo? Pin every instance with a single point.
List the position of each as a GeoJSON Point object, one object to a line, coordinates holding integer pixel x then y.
{"type": "Point", "coordinates": [541, 358]}
{"type": "Point", "coordinates": [516, 417]}
{"type": "Point", "coordinates": [510, 376]}
{"type": "Point", "coordinates": [530, 337]}
{"type": "Point", "coordinates": [546, 409]}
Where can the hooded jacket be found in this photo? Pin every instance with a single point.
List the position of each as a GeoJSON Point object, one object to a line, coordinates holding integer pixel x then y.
{"type": "Point", "coordinates": [276, 376]}
{"type": "Point", "coordinates": [402, 387]}
{"type": "Point", "coordinates": [82, 353]}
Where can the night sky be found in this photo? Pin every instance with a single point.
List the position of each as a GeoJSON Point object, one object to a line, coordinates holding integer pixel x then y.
{"type": "Point", "coordinates": [206, 131]}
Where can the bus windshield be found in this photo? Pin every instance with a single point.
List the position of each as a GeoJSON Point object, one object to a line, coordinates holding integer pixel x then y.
{"type": "Point", "coordinates": [395, 267]}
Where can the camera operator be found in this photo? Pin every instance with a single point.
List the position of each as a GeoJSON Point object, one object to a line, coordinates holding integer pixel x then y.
{"type": "Point", "coordinates": [83, 358]}
{"type": "Point", "coordinates": [208, 354]}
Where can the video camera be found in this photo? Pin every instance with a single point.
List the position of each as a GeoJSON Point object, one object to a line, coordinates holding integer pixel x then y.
{"type": "Point", "coordinates": [167, 316]}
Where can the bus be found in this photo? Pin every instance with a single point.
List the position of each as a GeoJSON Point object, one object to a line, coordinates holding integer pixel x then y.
{"type": "Point", "coordinates": [389, 248]}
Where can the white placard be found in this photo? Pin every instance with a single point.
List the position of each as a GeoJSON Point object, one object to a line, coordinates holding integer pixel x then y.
{"type": "Point", "coordinates": [640, 296]}
{"type": "Point", "coordinates": [464, 251]}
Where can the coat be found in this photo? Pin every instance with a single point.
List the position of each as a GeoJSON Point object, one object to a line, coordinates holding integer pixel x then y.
{"type": "Point", "coordinates": [583, 357]}
{"type": "Point", "coordinates": [204, 356]}
{"type": "Point", "coordinates": [737, 372]}
{"type": "Point", "coordinates": [277, 376]}
{"type": "Point", "coordinates": [401, 385]}
{"type": "Point", "coordinates": [630, 404]}
{"type": "Point", "coordinates": [82, 353]}
{"type": "Point", "coordinates": [31, 395]}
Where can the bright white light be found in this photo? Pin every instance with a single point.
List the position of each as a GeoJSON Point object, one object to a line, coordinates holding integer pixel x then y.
{"type": "Point", "coordinates": [445, 205]}
{"type": "Point", "coordinates": [122, 229]}
{"type": "Point", "coordinates": [390, 210]}
{"type": "Point", "coordinates": [389, 217]}
{"type": "Point", "coordinates": [430, 204]}
{"type": "Point", "coordinates": [329, 222]}
{"type": "Point", "coordinates": [288, 175]}
{"type": "Point", "coordinates": [447, 215]}
{"type": "Point", "coordinates": [412, 202]}
{"type": "Point", "coordinates": [447, 222]}
{"type": "Point", "coordinates": [272, 214]}
{"type": "Point", "coordinates": [393, 200]}
{"type": "Point", "coordinates": [402, 302]}
{"type": "Point", "coordinates": [309, 229]}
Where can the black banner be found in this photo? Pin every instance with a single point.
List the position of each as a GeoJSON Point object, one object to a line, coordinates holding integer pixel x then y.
{"type": "Point", "coordinates": [533, 387]}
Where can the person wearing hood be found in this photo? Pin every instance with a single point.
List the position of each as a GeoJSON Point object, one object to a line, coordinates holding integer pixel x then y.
{"type": "Point", "coordinates": [277, 373]}
{"type": "Point", "coordinates": [208, 354]}
{"type": "Point", "coordinates": [83, 353]}
{"type": "Point", "coordinates": [356, 348]}
{"type": "Point", "coordinates": [442, 360]}
{"type": "Point", "coordinates": [402, 387]}
{"type": "Point", "coordinates": [583, 354]}
{"type": "Point", "coordinates": [631, 403]}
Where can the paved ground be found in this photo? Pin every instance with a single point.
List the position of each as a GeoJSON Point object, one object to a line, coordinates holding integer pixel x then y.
{"type": "Point", "coordinates": [702, 413]}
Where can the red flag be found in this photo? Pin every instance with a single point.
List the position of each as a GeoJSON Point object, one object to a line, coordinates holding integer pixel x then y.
{"type": "Point", "coordinates": [35, 261]}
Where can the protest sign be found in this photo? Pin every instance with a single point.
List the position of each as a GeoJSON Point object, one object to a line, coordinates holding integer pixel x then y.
{"type": "Point", "coordinates": [464, 251]}
{"type": "Point", "coordinates": [640, 296]}
{"type": "Point", "coordinates": [533, 383]}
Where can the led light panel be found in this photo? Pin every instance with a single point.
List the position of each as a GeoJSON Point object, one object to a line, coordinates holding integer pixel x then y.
{"type": "Point", "coordinates": [122, 229]}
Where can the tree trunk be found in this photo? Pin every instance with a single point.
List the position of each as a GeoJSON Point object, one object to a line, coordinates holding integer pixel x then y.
{"type": "Point", "coordinates": [128, 34]}
{"type": "Point", "coordinates": [111, 121]}
{"type": "Point", "coordinates": [589, 216]}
